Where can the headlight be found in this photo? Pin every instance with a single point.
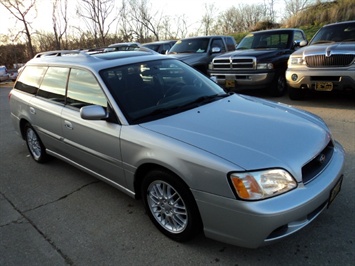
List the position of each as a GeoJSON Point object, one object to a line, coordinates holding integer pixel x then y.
{"type": "Point", "coordinates": [264, 66]}
{"type": "Point", "coordinates": [262, 184]}
{"type": "Point", "coordinates": [295, 60]}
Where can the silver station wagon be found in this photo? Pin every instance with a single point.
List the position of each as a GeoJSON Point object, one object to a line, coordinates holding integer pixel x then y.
{"type": "Point", "coordinates": [242, 170]}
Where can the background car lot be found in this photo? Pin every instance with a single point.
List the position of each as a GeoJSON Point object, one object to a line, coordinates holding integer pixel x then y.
{"type": "Point", "coordinates": [57, 215]}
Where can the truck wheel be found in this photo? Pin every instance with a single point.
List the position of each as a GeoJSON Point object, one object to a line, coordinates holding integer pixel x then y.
{"type": "Point", "coordinates": [278, 87]}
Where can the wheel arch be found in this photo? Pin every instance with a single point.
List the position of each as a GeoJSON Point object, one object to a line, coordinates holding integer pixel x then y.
{"type": "Point", "coordinates": [143, 169]}
{"type": "Point", "coordinates": [23, 123]}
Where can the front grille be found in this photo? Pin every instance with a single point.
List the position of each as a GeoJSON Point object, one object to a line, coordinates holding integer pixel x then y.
{"type": "Point", "coordinates": [325, 61]}
{"type": "Point", "coordinates": [243, 63]}
{"type": "Point", "coordinates": [235, 63]}
{"type": "Point", "coordinates": [314, 167]}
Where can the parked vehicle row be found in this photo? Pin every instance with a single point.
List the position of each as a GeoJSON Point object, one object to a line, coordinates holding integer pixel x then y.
{"type": "Point", "coordinates": [6, 74]}
{"type": "Point", "coordinates": [279, 59]}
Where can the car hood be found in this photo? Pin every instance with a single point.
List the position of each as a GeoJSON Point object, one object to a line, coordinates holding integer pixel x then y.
{"type": "Point", "coordinates": [327, 49]}
{"type": "Point", "coordinates": [190, 58]}
{"type": "Point", "coordinates": [249, 132]}
{"type": "Point", "coordinates": [253, 52]}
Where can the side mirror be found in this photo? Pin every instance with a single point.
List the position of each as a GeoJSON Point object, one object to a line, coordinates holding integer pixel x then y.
{"type": "Point", "coordinates": [93, 112]}
{"type": "Point", "coordinates": [216, 50]}
{"type": "Point", "coordinates": [299, 43]}
{"type": "Point", "coordinates": [303, 43]}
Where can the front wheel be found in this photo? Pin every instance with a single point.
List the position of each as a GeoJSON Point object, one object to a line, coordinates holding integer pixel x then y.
{"type": "Point", "coordinates": [35, 145]}
{"type": "Point", "coordinates": [279, 86]}
{"type": "Point", "coordinates": [170, 205]}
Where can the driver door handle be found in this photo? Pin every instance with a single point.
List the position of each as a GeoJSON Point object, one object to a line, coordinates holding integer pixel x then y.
{"type": "Point", "coordinates": [68, 125]}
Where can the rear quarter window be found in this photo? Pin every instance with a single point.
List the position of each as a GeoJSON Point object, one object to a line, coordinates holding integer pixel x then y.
{"type": "Point", "coordinates": [30, 79]}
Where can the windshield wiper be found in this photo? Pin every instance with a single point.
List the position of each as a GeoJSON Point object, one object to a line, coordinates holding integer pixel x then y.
{"type": "Point", "coordinates": [206, 99]}
{"type": "Point", "coordinates": [157, 112]}
{"type": "Point", "coordinates": [173, 109]}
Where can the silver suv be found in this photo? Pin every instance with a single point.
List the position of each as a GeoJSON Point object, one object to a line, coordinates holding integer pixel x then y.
{"type": "Point", "coordinates": [326, 64]}
{"type": "Point", "coordinates": [200, 158]}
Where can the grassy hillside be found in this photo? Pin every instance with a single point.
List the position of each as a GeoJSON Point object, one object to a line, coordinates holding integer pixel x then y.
{"type": "Point", "coordinates": [313, 17]}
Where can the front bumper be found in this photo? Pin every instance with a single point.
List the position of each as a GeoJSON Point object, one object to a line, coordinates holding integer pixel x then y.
{"type": "Point", "coordinates": [243, 80]}
{"type": "Point", "coordinates": [253, 224]}
{"type": "Point", "coordinates": [312, 79]}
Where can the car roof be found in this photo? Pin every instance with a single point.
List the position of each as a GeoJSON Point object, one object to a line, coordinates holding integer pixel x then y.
{"type": "Point", "coordinates": [159, 42]}
{"type": "Point", "coordinates": [96, 61]}
{"type": "Point", "coordinates": [120, 44]}
{"type": "Point", "coordinates": [338, 23]}
{"type": "Point", "coordinates": [207, 36]}
{"type": "Point", "coordinates": [276, 30]}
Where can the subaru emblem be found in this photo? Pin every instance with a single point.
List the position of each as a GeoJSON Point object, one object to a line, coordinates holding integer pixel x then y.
{"type": "Point", "coordinates": [321, 158]}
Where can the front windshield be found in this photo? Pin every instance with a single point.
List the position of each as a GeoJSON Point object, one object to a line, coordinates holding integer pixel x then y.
{"type": "Point", "coordinates": [275, 40]}
{"type": "Point", "coordinates": [336, 33]}
{"type": "Point", "coordinates": [198, 45]}
{"type": "Point", "coordinates": [152, 90]}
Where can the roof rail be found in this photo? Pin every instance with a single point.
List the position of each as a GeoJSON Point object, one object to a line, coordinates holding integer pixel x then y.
{"type": "Point", "coordinates": [60, 53]}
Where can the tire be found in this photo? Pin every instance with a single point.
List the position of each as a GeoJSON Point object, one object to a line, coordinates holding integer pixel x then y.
{"type": "Point", "coordinates": [170, 205]}
{"type": "Point", "coordinates": [35, 145]}
{"type": "Point", "coordinates": [296, 94]}
{"type": "Point", "coordinates": [279, 86]}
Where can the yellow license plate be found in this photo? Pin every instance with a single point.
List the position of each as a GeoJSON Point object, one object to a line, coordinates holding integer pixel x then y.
{"type": "Point", "coordinates": [335, 191]}
{"type": "Point", "coordinates": [324, 86]}
{"type": "Point", "coordinates": [230, 83]}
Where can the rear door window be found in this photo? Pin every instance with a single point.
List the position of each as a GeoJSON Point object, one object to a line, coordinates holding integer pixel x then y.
{"type": "Point", "coordinates": [54, 84]}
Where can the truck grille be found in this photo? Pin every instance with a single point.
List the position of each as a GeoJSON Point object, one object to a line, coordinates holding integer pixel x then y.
{"type": "Point", "coordinates": [314, 167]}
{"type": "Point", "coordinates": [325, 61]}
{"type": "Point", "coordinates": [235, 63]}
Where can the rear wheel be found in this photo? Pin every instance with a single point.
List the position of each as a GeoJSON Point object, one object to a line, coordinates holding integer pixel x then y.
{"type": "Point", "coordinates": [35, 145]}
{"type": "Point", "coordinates": [170, 205]}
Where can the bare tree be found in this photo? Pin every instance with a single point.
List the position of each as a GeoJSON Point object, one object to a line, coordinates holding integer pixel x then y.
{"type": "Point", "coordinates": [270, 9]}
{"type": "Point", "coordinates": [252, 14]}
{"type": "Point", "coordinates": [139, 22]}
{"type": "Point", "coordinates": [229, 22]}
{"type": "Point", "coordinates": [19, 10]}
{"type": "Point", "coordinates": [208, 19]}
{"type": "Point", "coordinates": [60, 20]}
{"type": "Point", "coordinates": [96, 14]}
{"type": "Point", "coordinates": [292, 7]}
